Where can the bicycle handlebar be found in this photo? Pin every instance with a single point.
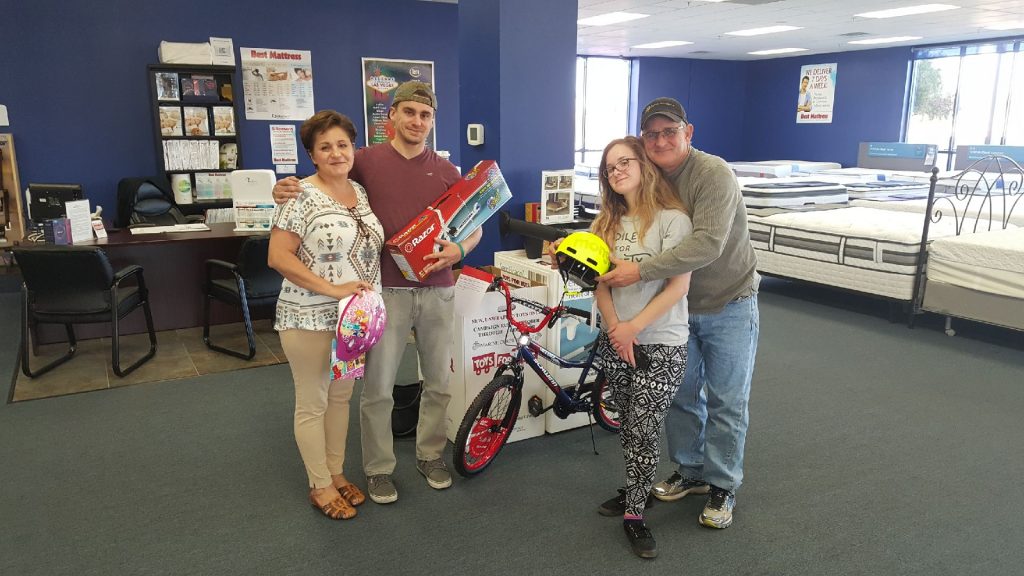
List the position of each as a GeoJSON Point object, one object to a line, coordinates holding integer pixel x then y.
{"type": "Point", "coordinates": [550, 314]}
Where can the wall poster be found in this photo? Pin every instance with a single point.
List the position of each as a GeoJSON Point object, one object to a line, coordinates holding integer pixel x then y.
{"type": "Point", "coordinates": [278, 84]}
{"type": "Point", "coordinates": [817, 94]}
{"type": "Point", "coordinates": [380, 78]}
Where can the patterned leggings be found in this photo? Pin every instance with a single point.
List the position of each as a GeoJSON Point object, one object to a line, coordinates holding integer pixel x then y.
{"type": "Point", "coordinates": [643, 398]}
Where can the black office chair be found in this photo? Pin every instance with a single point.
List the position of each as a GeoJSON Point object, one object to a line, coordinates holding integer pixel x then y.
{"type": "Point", "coordinates": [254, 284]}
{"type": "Point", "coordinates": [148, 202]}
{"type": "Point", "coordinates": [76, 285]}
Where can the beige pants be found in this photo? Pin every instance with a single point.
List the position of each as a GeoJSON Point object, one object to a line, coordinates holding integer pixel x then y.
{"type": "Point", "coordinates": [321, 406]}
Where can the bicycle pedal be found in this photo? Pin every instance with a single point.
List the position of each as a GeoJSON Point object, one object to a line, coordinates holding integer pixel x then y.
{"type": "Point", "coordinates": [536, 406]}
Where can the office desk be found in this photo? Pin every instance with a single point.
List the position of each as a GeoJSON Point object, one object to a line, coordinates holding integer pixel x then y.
{"type": "Point", "coordinates": [173, 265]}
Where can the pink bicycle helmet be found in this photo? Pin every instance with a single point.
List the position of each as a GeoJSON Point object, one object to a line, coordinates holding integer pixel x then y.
{"type": "Point", "coordinates": [361, 321]}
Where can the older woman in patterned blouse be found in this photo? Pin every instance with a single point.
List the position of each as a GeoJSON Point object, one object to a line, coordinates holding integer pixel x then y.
{"type": "Point", "coordinates": [326, 243]}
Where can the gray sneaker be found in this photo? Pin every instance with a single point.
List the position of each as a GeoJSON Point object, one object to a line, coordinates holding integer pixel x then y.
{"type": "Point", "coordinates": [677, 486]}
{"type": "Point", "coordinates": [436, 473]}
{"type": "Point", "coordinates": [382, 490]}
{"type": "Point", "coordinates": [718, 510]}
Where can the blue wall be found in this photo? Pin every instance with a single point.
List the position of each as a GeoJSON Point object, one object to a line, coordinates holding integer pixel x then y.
{"type": "Point", "coordinates": [713, 92]}
{"type": "Point", "coordinates": [870, 88]}
{"type": "Point", "coordinates": [74, 73]}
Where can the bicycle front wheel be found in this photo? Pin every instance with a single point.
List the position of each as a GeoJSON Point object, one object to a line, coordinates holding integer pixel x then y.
{"type": "Point", "coordinates": [605, 412]}
{"type": "Point", "coordinates": [486, 426]}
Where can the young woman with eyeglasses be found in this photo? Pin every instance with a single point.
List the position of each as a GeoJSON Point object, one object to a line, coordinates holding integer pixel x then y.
{"type": "Point", "coordinates": [644, 326]}
{"type": "Point", "coordinates": [326, 242]}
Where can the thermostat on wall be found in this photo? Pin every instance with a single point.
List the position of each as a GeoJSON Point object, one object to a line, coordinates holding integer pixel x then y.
{"type": "Point", "coordinates": [475, 134]}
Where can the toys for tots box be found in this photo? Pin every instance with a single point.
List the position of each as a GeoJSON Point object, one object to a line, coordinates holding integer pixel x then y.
{"type": "Point", "coordinates": [453, 216]}
{"type": "Point", "coordinates": [480, 343]}
{"type": "Point", "coordinates": [570, 337]}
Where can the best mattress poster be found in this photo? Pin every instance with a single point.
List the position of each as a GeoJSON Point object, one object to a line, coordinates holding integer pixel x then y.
{"type": "Point", "coordinates": [817, 94]}
{"type": "Point", "coordinates": [380, 78]}
{"type": "Point", "coordinates": [278, 84]}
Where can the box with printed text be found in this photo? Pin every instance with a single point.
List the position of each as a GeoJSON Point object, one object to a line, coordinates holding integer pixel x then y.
{"type": "Point", "coordinates": [453, 216]}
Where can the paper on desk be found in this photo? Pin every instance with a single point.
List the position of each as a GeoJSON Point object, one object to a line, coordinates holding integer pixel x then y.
{"type": "Point", "coordinates": [81, 220]}
{"type": "Point", "coordinates": [4, 120]}
{"type": "Point", "coordinates": [174, 228]}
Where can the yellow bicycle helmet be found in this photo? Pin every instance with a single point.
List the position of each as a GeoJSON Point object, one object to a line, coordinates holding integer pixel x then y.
{"type": "Point", "coordinates": [582, 257]}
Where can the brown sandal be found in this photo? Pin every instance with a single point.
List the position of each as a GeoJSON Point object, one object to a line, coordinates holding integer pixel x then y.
{"type": "Point", "coordinates": [337, 509]}
{"type": "Point", "coordinates": [352, 493]}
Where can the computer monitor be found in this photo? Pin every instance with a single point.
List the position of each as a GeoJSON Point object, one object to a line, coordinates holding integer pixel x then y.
{"type": "Point", "coordinates": [46, 201]}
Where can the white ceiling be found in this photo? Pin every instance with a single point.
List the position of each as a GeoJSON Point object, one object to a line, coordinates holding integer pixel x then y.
{"type": "Point", "coordinates": [823, 23]}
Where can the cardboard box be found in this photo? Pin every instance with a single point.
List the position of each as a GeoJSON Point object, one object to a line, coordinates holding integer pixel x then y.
{"type": "Point", "coordinates": [482, 191]}
{"type": "Point", "coordinates": [569, 337]}
{"type": "Point", "coordinates": [480, 342]}
{"type": "Point", "coordinates": [409, 246]}
{"type": "Point", "coordinates": [453, 216]}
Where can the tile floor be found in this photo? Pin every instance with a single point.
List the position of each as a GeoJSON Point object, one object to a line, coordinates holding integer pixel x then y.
{"type": "Point", "coordinates": [179, 354]}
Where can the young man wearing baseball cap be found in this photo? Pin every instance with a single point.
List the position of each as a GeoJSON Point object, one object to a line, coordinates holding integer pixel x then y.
{"type": "Point", "coordinates": [402, 177]}
{"type": "Point", "coordinates": [707, 422]}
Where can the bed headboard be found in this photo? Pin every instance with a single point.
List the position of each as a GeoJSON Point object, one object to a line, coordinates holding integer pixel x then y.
{"type": "Point", "coordinates": [983, 197]}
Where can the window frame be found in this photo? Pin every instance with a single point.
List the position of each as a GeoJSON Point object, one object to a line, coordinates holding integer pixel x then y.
{"type": "Point", "coordinates": [1013, 45]}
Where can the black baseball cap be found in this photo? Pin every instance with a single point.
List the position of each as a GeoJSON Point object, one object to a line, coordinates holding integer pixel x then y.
{"type": "Point", "coordinates": [667, 107]}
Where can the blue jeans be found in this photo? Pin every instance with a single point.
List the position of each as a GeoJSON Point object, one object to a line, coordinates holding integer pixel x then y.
{"type": "Point", "coordinates": [707, 422]}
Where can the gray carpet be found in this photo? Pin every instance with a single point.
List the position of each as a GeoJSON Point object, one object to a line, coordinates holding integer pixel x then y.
{"type": "Point", "coordinates": [873, 449]}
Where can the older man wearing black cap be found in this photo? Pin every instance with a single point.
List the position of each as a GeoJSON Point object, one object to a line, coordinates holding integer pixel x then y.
{"type": "Point", "coordinates": [707, 423]}
{"type": "Point", "coordinates": [402, 177]}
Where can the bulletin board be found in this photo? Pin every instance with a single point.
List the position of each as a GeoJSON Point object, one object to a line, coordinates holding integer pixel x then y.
{"type": "Point", "coordinates": [12, 214]}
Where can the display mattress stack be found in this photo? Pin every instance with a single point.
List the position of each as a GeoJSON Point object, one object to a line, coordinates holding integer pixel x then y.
{"type": "Point", "coordinates": [864, 249]}
{"type": "Point", "coordinates": [769, 197]}
{"type": "Point", "coordinates": [979, 207]}
{"type": "Point", "coordinates": [888, 190]}
{"type": "Point", "coordinates": [802, 166]}
{"type": "Point", "coordinates": [760, 170]}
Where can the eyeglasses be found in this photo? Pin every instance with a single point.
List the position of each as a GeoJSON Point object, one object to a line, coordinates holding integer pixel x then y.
{"type": "Point", "coordinates": [364, 231]}
{"type": "Point", "coordinates": [621, 166]}
{"type": "Point", "coordinates": [668, 133]}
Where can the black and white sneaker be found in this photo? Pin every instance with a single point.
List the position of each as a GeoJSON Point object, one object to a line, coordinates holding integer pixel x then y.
{"type": "Point", "coordinates": [677, 486]}
{"type": "Point", "coordinates": [640, 538]}
{"type": "Point", "coordinates": [718, 510]}
{"type": "Point", "coordinates": [617, 506]}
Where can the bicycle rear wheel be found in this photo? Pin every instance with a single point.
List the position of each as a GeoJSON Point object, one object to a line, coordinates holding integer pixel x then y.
{"type": "Point", "coordinates": [486, 426]}
{"type": "Point", "coordinates": [605, 412]}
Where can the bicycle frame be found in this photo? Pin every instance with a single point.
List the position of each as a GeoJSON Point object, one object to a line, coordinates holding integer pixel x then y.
{"type": "Point", "coordinates": [528, 351]}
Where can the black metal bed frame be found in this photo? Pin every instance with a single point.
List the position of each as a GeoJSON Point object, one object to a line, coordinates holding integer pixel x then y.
{"type": "Point", "coordinates": [998, 178]}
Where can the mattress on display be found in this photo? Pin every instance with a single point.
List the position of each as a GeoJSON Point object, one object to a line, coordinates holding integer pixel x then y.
{"type": "Point", "coordinates": [802, 166]}
{"type": "Point", "coordinates": [792, 194]}
{"type": "Point", "coordinates": [991, 262]}
{"type": "Point", "coordinates": [888, 190]}
{"type": "Point", "coordinates": [980, 209]}
{"type": "Point", "coordinates": [864, 249]}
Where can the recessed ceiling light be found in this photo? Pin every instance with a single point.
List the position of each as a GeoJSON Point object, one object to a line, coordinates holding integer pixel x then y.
{"type": "Point", "coordinates": [611, 18]}
{"type": "Point", "coordinates": [885, 40]}
{"type": "Point", "coordinates": [765, 30]}
{"type": "Point", "coordinates": [908, 11]}
{"type": "Point", "coordinates": [665, 44]}
{"type": "Point", "coordinates": [777, 51]}
{"type": "Point", "coordinates": [1005, 26]}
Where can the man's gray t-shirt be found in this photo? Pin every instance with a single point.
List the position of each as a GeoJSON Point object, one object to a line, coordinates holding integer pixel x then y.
{"type": "Point", "coordinates": [666, 231]}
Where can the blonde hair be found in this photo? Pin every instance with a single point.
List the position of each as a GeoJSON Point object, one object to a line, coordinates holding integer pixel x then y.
{"type": "Point", "coordinates": [654, 194]}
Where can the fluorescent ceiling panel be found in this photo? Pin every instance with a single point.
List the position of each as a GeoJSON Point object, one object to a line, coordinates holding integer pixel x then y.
{"type": "Point", "coordinates": [765, 30]}
{"type": "Point", "coordinates": [887, 40]}
{"type": "Point", "coordinates": [611, 18]}
{"type": "Point", "coordinates": [665, 44]}
{"type": "Point", "coordinates": [908, 11]}
{"type": "Point", "coordinates": [777, 51]}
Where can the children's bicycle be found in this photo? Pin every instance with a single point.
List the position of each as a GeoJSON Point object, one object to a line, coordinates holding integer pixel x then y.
{"type": "Point", "coordinates": [492, 415]}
